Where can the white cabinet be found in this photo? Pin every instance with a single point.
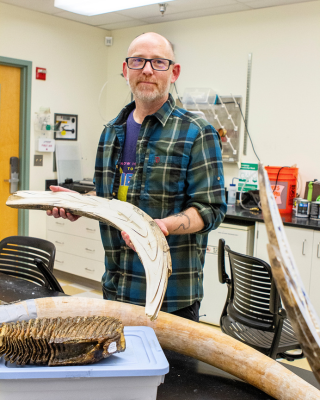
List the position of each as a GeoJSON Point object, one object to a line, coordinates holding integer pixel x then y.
{"type": "Point", "coordinates": [79, 249]}
{"type": "Point", "coordinates": [315, 273]}
{"type": "Point", "coordinates": [260, 242]}
{"type": "Point", "coordinates": [238, 238]}
{"type": "Point", "coordinates": [301, 244]}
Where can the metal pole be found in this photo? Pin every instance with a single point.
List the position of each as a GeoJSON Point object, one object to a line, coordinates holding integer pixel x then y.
{"type": "Point", "coordinates": [247, 102]}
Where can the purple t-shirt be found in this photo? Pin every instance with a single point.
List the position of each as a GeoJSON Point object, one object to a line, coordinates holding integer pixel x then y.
{"type": "Point", "coordinates": [128, 161]}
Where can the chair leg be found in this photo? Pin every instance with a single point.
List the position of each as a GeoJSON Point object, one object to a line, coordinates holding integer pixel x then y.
{"type": "Point", "coordinates": [51, 279]}
{"type": "Point", "coordinates": [276, 340]}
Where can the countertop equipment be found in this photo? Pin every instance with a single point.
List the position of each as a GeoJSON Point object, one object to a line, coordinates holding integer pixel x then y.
{"type": "Point", "coordinates": [302, 208]}
{"type": "Point", "coordinates": [69, 168]}
{"type": "Point", "coordinates": [84, 186]}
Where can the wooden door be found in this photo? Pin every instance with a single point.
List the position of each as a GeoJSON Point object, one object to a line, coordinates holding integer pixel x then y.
{"type": "Point", "coordinates": [9, 143]}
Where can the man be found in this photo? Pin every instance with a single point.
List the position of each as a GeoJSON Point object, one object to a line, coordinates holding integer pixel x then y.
{"type": "Point", "coordinates": [167, 162]}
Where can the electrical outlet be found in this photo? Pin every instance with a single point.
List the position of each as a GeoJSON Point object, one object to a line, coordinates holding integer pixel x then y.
{"type": "Point", "coordinates": [38, 160]}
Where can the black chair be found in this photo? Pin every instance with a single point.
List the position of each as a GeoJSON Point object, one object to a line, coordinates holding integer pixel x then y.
{"type": "Point", "coordinates": [253, 312]}
{"type": "Point", "coordinates": [30, 259]}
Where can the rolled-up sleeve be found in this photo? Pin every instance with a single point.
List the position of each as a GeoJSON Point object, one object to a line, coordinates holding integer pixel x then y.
{"type": "Point", "coordinates": [205, 179]}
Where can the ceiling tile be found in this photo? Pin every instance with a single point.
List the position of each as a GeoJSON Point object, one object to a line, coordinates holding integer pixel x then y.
{"type": "Point", "coordinates": [198, 13]}
{"type": "Point", "coordinates": [271, 3]}
{"type": "Point", "coordinates": [176, 10]}
{"type": "Point", "coordinates": [188, 5]}
{"type": "Point", "coordinates": [44, 6]}
{"type": "Point", "coordinates": [175, 6]}
{"type": "Point", "coordinates": [95, 20]}
{"type": "Point", "coordinates": [142, 12]}
{"type": "Point", "coordinates": [125, 24]}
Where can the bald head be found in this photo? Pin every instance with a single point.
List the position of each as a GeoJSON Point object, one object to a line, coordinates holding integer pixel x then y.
{"type": "Point", "coordinates": [159, 42]}
{"type": "Point", "coordinates": [150, 85]}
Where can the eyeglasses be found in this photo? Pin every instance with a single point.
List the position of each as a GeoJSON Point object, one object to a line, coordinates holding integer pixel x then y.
{"type": "Point", "coordinates": [158, 64]}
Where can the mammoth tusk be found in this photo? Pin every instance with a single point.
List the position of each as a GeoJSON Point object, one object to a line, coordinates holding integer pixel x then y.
{"type": "Point", "coordinates": [303, 318]}
{"type": "Point", "coordinates": [181, 335]}
{"type": "Point", "coordinates": [146, 236]}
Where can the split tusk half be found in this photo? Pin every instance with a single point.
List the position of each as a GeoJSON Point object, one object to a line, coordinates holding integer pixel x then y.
{"type": "Point", "coordinates": [146, 236]}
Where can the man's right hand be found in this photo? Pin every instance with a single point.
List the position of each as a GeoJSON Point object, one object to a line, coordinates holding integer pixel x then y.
{"type": "Point", "coordinates": [60, 212]}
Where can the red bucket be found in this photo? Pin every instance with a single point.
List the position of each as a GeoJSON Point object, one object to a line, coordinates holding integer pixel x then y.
{"type": "Point", "coordinates": [284, 187]}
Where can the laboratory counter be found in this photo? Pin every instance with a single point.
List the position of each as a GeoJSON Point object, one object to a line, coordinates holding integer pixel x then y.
{"type": "Point", "coordinates": [237, 215]}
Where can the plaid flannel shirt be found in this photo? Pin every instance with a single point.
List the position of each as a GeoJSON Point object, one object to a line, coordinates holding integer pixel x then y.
{"type": "Point", "coordinates": [178, 165]}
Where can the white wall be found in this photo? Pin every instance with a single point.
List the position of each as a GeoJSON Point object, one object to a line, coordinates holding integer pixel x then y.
{"type": "Point", "coordinates": [213, 51]}
{"type": "Point", "coordinates": [285, 82]}
{"type": "Point", "coordinates": [75, 57]}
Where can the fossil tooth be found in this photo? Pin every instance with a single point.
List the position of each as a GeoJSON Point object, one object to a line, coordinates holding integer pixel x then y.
{"type": "Point", "coordinates": [55, 342]}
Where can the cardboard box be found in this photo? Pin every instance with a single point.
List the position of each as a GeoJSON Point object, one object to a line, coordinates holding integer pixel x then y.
{"type": "Point", "coordinates": [315, 192]}
{"type": "Point", "coordinates": [134, 374]}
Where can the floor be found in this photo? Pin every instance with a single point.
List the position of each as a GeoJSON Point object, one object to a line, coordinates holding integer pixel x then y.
{"type": "Point", "coordinates": [79, 290]}
{"type": "Point", "coordinates": [82, 288]}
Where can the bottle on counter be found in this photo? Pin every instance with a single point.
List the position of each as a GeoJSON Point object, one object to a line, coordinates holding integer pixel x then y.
{"type": "Point", "coordinates": [232, 193]}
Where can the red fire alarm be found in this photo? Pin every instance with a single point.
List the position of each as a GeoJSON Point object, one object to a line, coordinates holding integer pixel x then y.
{"type": "Point", "coordinates": [41, 73]}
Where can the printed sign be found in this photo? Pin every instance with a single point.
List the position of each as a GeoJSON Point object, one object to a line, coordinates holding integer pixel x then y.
{"type": "Point", "coordinates": [212, 250]}
{"type": "Point", "coordinates": [46, 145]}
{"type": "Point", "coordinates": [248, 176]}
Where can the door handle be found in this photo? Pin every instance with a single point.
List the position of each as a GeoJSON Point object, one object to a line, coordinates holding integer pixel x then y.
{"type": "Point", "coordinates": [318, 250]}
{"type": "Point", "coordinates": [14, 174]}
{"type": "Point", "coordinates": [303, 245]}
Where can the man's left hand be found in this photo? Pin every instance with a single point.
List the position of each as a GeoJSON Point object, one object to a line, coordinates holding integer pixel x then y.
{"type": "Point", "coordinates": [162, 226]}
{"type": "Point", "coordinates": [126, 237]}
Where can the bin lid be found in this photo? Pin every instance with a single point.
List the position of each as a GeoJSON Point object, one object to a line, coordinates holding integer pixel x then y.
{"type": "Point", "coordinates": [143, 357]}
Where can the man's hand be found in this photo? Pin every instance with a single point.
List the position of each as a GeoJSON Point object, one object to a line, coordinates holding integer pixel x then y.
{"type": "Point", "coordinates": [60, 212]}
{"type": "Point", "coordinates": [126, 237]}
{"type": "Point", "coordinates": [162, 226]}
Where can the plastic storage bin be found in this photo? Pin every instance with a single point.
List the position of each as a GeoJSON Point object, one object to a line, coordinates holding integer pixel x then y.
{"type": "Point", "coordinates": [134, 374]}
{"type": "Point", "coordinates": [285, 179]}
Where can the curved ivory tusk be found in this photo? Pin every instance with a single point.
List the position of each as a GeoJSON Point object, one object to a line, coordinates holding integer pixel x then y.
{"type": "Point", "coordinates": [303, 318]}
{"type": "Point", "coordinates": [146, 236]}
{"type": "Point", "coordinates": [184, 336]}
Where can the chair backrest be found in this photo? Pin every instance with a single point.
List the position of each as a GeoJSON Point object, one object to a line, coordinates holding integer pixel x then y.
{"type": "Point", "coordinates": [17, 255]}
{"type": "Point", "coordinates": [252, 297]}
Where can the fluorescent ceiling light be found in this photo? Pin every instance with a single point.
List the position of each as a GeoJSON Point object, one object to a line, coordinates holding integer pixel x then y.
{"type": "Point", "coordinates": [95, 7]}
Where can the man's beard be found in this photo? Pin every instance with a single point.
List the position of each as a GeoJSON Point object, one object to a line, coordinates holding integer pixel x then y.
{"type": "Point", "coordinates": [150, 95]}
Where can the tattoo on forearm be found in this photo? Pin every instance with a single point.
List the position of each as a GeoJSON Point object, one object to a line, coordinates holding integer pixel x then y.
{"type": "Point", "coordinates": [182, 214]}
